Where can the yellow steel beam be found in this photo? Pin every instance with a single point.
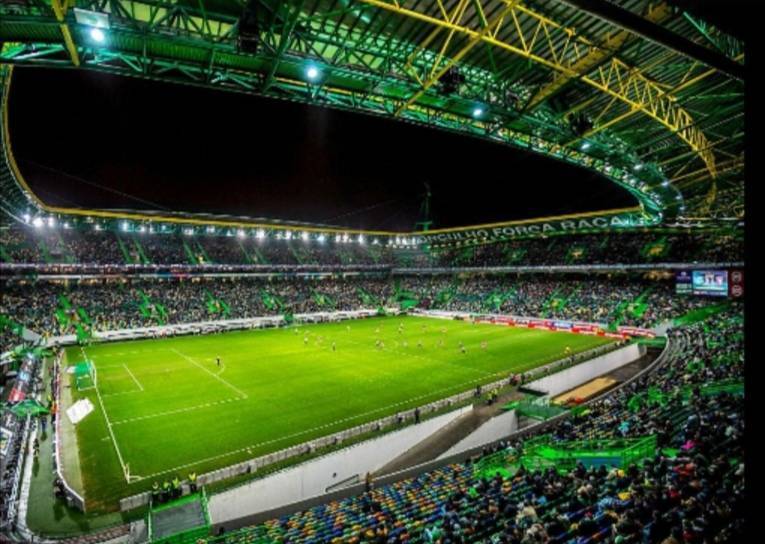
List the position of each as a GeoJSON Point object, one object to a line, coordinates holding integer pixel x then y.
{"type": "Point", "coordinates": [609, 47]}
{"type": "Point", "coordinates": [487, 30]}
{"type": "Point", "coordinates": [60, 8]}
{"type": "Point", "coordinates": [633, 111]}
{"type": "Point", "coordinates": [542, 40]}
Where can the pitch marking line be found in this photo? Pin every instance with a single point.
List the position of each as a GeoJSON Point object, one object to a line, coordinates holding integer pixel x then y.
{"type": "Point", "coordinates": [134, 378]}
{"type": "Point", "coordinates": [178, 411]}
{"type": "Point", "coordinates": [109, 427]}
{"type": "Point", "coordinates": [213, 374]}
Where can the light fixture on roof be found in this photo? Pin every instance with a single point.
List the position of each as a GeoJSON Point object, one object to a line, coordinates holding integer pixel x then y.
{"type": "Point", "coordinates": [304, 236]}
{"type": "Point", "coordinates": [288, 235]}
{"type": "Point", "coordinates": [240, 233]}
{"type": "Point", "coordinates": [51, 222]}
{"type": "Point", "coordinates": [312, 73]}
{"type": "Point", "coordinates": [260, 234]}
{"type": "Point", "coordinates": [477, 112]}
{"type": "Point", "coordinates": [97, 35]}
{"type": "Point", "coordinates": [321, 238]}
{"type": "Point", "coordinates": [37, 222]}
{"type": "Point", "coordinates": [361, 238]}
{"type": "Point", "coordinates": [585, 146]}
{"type": "Point", "coordinates": [27, 218]}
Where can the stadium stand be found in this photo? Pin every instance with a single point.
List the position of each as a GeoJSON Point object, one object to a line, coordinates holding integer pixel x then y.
{"type": "Point", "coordinates": [27, 244]}
{"type": "Point", "coordinates": [116, 304]}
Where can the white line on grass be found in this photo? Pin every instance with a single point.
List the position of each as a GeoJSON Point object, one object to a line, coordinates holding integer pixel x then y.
{"type": "Point", "coordinates": [109, 425]}
{"type": "Point", "coordinates": [313, 429]}
{"type": "Point", "coordinates": [214, 375]}
{"type": "Point", "coordinates": [134, 378]}
{"type": "Point", "coordinates": [177, 411]}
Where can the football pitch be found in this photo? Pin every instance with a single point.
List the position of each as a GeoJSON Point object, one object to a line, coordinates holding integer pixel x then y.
{"type": "Point", "coordinates": [165, 407]}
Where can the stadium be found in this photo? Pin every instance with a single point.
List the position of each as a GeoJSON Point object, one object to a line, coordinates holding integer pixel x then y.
{"type": "Point", "coordinates": [372, 271]}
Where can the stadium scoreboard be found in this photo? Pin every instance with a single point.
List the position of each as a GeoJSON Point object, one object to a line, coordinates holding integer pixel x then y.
{"type": "Point", "coordinates": [702, 282]}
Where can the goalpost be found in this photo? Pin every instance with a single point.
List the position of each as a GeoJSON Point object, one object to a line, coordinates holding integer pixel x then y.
{"type": "Point", "coordinates": [85, 375]}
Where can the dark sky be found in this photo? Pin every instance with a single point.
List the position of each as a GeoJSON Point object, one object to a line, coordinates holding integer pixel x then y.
{"type": "Point", "coordinates": [89, 139]}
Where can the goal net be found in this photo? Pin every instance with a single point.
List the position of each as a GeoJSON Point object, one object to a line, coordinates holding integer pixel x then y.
{"type": "Point", "coordinates": [85, 375]}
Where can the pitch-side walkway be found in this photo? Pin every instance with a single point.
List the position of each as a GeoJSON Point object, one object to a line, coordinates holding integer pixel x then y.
{"type": "Point", "coordinates": [441, 441]}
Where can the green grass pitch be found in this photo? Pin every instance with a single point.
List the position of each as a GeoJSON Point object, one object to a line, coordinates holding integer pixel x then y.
{"type": "Point", "coordinates": [168, 408]}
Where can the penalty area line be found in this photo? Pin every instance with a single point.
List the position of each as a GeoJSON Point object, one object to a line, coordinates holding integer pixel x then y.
{"type": "Point", "coordinates": [133, 376]}
{"type": "Point", "coordinates": [213, 374]}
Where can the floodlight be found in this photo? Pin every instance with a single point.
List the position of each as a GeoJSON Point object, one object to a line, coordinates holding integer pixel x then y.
{"type": "Point", "coordinates": [361, 238]}
{"type": "Point", "coordinates": [37, 222]}
{"type": "Point", "coordinates": [638, 166]}
{"type": "Point", "coordinates": [98, 227]}
{"type": "Point", "coordinates": [304, 236]}
{"type": "Point", "coordinates": [125, 226]}
{"type": "Point", "coordinates": [260, 234]}
{"type": "Point", "coordinates": [27, 218]}
{"type": "Point", "coordinates": [586, 146]}
{"type": "Point", "coordinates": [321, 238]}
{"type": "Point", "coordinates": [51, 222]}
{"type": "Point", "coordinates": [66, 225]}
{"type": "Point", "coordinates": [288, 235]}
{"type": "Point", "coordinates": [312, 73]}
{"type": "Point", "coordinates": [477, 111]}
{"type": "Point", "coordinates": [210, 230]}
{"type": "Point", "coordinates": [337, 238]}
{"type": "Point", "coordinates": [97, 35]}
{"type": "Point", "coordinates": [665, 183]}
{"type": "Point", "coordinates": [240, 233]}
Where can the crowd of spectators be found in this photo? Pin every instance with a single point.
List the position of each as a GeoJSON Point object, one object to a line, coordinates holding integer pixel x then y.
{"type": "Point", "coordinates": [22, 244]}
{"type": "Point", "coordinates": [691, 490]}
{"type": "Point", "coordinates": [116, 303]}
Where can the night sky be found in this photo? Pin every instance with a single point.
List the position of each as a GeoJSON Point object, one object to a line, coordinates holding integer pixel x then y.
{"type": "Point", "coordinates": [92, 140]}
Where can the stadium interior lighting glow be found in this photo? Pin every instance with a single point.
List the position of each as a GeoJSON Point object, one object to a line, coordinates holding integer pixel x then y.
{"type": "Point", "coordinates": [98, 227]}
{"type": "Point", "coordinates": [337, 238]}
{"type": "Point", "coordinates": [66, 225]}
{"type": "Point", "coordinates": [304, 236]}
{"type": "Point", "coordinates": [321, 238]}
{"type": "Point", "coordinates": [477, 112]}
{"type": "Point", "coordinates": [260, 234]}
{"type": "Point", "coordinates": [97, 34]}
{"type": "Point", "coordinates": [312, 73]}
{"type": "Point", "coordinates": [345, 238]}
{"type": "Point", "coordinates": [125, 226]}
{"type": "Point", "coordinates": [638, 166]}
{"type": "Point", "coordinates": [27, 218]}
{"type": "Point", "coordinates": [240, 233]}
{"type": "Point", "coordinates": [37, 222]}
{"type": "Point", "coordinates": [586, 146]}
{"type": "Point", "coordinates": [361, 238]}
{"type": "Point", "coordinates": [375, 241]}
{"type": "Point", "coordinates": [188, 232]}
{"type": "Point", "coordinates": [665, 183]}
{"type": "Point", "coordinates": [288, 235]}
{"type": "Point", "coordinates": [51, 222]}
{"type": "Point", "coordinates": [210, 230]}
{"type": "Point", "coordinates": [141, 228]}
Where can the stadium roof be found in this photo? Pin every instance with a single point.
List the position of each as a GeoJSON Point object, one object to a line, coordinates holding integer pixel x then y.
{"type": "Point", "coordinates": [647, 94]}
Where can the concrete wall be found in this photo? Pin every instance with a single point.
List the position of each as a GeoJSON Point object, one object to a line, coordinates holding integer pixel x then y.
{"type": "Point", "coordinates": [575, 376]}
{"type": "Point", "coordinates": [491, 431]}
{"type": "Point", "coordinates": [313, 478]}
